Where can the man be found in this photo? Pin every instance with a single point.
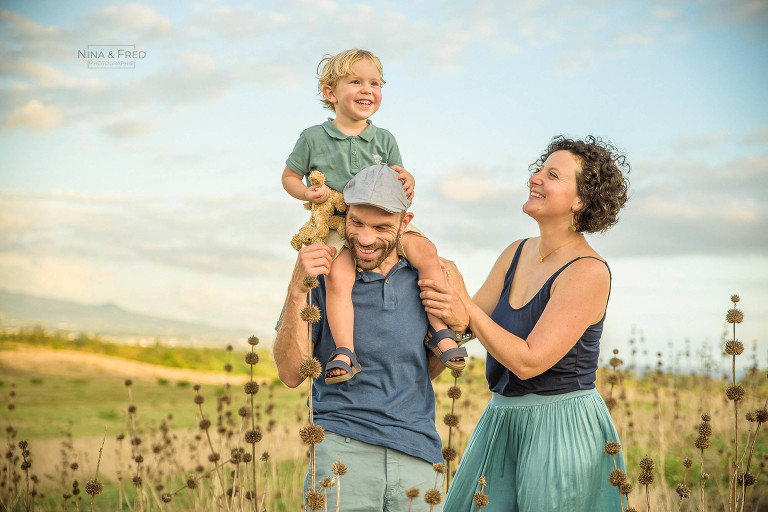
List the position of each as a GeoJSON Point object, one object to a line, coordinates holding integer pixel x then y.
{"type": "Point", "coordinates": [381, 423]}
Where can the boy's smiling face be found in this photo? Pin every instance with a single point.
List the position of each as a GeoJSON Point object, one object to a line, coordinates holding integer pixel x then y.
{"type": "Point", "coordinates": [357, 96]}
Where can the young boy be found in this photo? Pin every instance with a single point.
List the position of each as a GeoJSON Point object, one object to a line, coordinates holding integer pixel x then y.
{"type": "Point", "coordinates": [350, 84]}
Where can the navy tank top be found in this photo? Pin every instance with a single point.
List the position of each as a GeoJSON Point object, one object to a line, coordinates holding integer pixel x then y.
{"type": "Point", "coordinates": [575, 371]}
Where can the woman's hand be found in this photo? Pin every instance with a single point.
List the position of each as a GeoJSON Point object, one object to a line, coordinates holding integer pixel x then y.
{"type": "Point", "coordinates": [445, 300]}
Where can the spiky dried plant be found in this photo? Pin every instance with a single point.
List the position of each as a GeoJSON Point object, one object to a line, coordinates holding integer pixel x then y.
{"type": "Point", "coordinates": [702, 443]}
{"type": "Point", "coordinates": [251, 388]}
{"type": "Point", "coordinates": [451, 420]}
{"type": "Point", "coordinates": [94, 487]}
{"type": "Point", "coordinates": [339, 469]}
{"type": "Point", "coordinates": [480, 498]}
{"type": "Point", "coordinates": [213, 456]}
{"type": "Point", "coordinates": [735, 393]}
{"type": "Point", "coordinates": [646, 477]}
{"type": "Point", "coordinates": [311, 369]}
{"type": "Point", "coordinates": [433, 496]}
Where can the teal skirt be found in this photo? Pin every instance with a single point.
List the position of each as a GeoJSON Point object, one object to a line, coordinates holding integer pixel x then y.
{"type": "Point", "coordinates": [540, 453]}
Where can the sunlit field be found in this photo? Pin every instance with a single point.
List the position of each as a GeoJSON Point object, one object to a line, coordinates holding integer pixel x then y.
{"type": "Point", "coordinates": [91, 425]}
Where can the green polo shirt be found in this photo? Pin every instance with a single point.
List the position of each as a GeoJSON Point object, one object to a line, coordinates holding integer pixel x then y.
{"type": "Point", "coordinates": [338, 156]}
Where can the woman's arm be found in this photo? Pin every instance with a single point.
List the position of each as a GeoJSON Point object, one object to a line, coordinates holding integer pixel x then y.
{"type": "Point", "coordinates": [577, 300]}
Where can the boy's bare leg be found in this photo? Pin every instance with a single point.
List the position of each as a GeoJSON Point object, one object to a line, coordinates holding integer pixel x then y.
{"type": "Point", "coordinates": [423, 255]}
{"type": "Point", "coordinates": [341, 313]}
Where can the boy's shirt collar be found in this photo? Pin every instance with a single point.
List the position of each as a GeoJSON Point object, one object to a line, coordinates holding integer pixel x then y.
{"type": "Point", "coordinates": [332, 130]}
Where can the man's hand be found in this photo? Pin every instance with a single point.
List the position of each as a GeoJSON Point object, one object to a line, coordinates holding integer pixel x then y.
{"type": "Point", "coordinates": [314, 260]}
{"type": "Point", "coordinates": [409, 184]}
{"type": "Point", "coordinates": [317, 193]}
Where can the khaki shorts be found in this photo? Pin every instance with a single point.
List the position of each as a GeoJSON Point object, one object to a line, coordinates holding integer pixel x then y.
{"type": "Point", "coordinates": [335, 240]}
{"type": "Point", "coordinates": [376, 478]}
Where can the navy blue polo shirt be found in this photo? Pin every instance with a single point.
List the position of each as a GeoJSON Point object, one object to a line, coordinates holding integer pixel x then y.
{"type": "Point", "coordinates": [391, 402]}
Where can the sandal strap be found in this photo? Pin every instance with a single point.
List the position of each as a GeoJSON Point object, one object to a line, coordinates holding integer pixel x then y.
{"type": "Point", "coordinates": [453, 353]}
{"type": "Point", "coordinates": [338, 365]}
{"type": "Point", "coordinates": [343, 351]}
{"type": "Point", "coordinates": [437, 336]}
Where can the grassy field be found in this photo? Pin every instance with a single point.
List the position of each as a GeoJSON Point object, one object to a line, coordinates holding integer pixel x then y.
{"type": "Point", "coordinates": [61, 400]}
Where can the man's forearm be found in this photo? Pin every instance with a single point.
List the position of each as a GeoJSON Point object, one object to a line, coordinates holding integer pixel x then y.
{"type": "Point", "coordinates": [291, 346]}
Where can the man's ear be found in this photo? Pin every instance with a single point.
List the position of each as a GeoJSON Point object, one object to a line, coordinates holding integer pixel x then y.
{"type": "Point", "coordinates": [407, 218]}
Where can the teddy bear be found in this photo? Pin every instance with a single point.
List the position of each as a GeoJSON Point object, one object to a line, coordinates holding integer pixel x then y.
{"type": "Point", "coordinates": [322, 218]}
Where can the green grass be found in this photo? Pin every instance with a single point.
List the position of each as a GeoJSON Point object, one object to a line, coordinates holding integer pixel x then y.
{"type": "Point", "coordinates": [193, 358]}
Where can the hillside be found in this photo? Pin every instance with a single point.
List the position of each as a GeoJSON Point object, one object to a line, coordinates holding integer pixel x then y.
{"type": "Point", "coordinates": [23, 310]}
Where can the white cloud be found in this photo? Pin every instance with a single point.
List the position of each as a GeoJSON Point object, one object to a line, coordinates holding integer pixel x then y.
{"type": "Point", "coordinates": [137, 21]}
{"type": "Point", "coordinates": [35, 115]}
{"type": "Point", "coordinates": [137, 128]}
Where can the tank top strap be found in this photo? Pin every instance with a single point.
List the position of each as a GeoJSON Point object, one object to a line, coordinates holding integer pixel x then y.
{"type": "Point", "coordinates": [513, 266]}
{"type": "Point", "coordinates": [554, 276]}
{"type": "Point", "coordinates": [548, 285]}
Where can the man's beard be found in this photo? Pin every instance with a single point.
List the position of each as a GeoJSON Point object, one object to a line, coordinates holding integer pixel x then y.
{"type": "Point", "coordinates": [368, 264]}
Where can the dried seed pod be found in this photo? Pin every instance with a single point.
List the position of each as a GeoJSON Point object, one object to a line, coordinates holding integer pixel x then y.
{"type": "Point", "coordinates": [705, 429]}
{"type": "Point", "coordinates": [253, 436]}
{"type": "Point", "coordinates": [412, 493]}
{"type": "Point", "coordinates": [339, 468]}
{"type": "Point", "coordinates": [310, 313]}
{"type": "Point", "coordinates": [645, 477]}
{"type": "Point", "coordinates": [612, 448]}
{"type": "Point", "coordinates": [616, 477]}
{"type": "Point", "coordinates": [310, 282]}
{"type": "Point", "coordinates": [454, 392]}
{"type": "Point", "coordinates": [315, 500]}
{"type": "Point", "coordinates": [682, 491]}
{"type": "Point", "coordinates": [734, 347]}
{"type": "Point", "coordinates": [310, 368]}
{"type": "Point", "coordinates": [450, 453]}
{"type": "Point", "coordinates": [451, 419]}
{"type": "Point", "coordinates": [735, 392]}
{"type": "Point", "coordinates": [312, 434]}
{"type": "Point", "coordinates": [735, 298]}
{"type": "Point", "coordinates": [702, 443]}
{"type": "Point", "coordinates": [480, 499]}
{"type": "Point", "coordinates": [253, 340]}
{"type": "Point", "coordinates": [251, 387]}
{"type": "Point", "coordinates": [734, 316]}
{"type": "Point", "coordinates": [433, 496]}
{"type": "Point", "coordinates": [93, 487]}
{"type": "Point", "coordinates": [439, 468]}
{"type": "Point", "coordinates": [251, 358]}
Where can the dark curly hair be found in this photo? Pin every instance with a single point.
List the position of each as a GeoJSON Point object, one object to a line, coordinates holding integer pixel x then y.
{"type": "Point", "coordinates": [601, 185]}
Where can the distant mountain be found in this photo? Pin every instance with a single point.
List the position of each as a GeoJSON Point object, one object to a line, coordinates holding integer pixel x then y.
{"type": "Point", "coordinates": [22, 310]}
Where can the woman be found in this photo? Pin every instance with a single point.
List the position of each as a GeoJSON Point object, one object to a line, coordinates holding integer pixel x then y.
{"type": "Point", "coordinates": [540, 442]}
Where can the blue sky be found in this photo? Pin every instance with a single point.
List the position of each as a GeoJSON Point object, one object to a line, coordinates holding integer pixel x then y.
{"type": "Point", "coordinates": [158, 187]}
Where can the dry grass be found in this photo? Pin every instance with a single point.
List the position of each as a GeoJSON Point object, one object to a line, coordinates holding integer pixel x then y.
{"type": "Point", "coordinates": [655, 415]}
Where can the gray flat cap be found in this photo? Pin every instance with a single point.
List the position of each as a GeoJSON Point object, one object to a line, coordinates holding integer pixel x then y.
{"type": "Point", "coordinates": [378, 186]}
